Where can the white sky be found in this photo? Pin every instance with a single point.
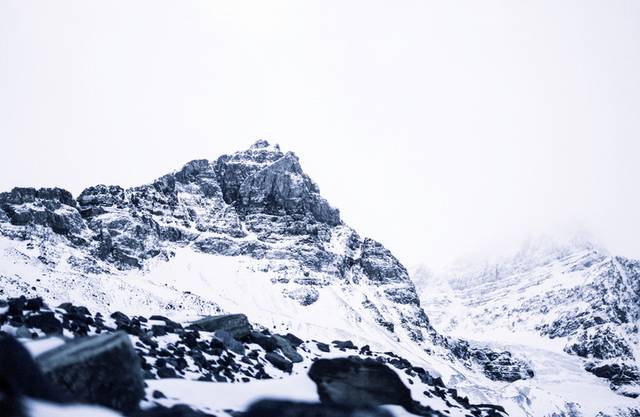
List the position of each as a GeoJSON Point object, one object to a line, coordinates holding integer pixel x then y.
{"type": "Point", "coordinates": [437, 128]}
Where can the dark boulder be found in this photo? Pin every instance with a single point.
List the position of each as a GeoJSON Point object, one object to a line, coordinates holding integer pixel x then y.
{"type": "Point", "coordinates": [358, 382]}
{"type": "Point", "coordinates": [229, 342]}
{"type": "Point", "coordinates": [323, 347]}
{"type": "Point", "coordinates": [103, 370]}
{"type": "Point", "coordinates": [120, 318]}
{"type": "Point", "coordinates": [168, 322]}
{"type": "Point", "coordinates": [45, 321]}
{"type": "Point", "coordinates": [277, 408]}
{"type": "Point", "coordinates": [21, 375]}
{"type": "Point", "coordinates": [279, 362]}
{"type": "Point", "coordinates": [178, 410]}
{"type": "Point", "coordinates": [266, 342]}
{"type": "Point", "coordinates": [287, 350]}
{"type": "Point", "coordinates": [236, 324]}
{"type": "Point", "coordinates": [294, 340]}
{"type": "Point", "coordinates": [348, 344]}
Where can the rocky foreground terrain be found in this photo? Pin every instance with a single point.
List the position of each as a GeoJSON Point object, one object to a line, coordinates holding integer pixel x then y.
{"type": "Point", "coordinates": [233, 280]}
{"type": "Point", "coordinates": [113, 362]}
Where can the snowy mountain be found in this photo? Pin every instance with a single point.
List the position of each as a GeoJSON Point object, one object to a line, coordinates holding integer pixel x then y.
{"type": "Point", "coordinates": [249, 237]}
{"type": "Point", "coordinates": [248, 232]}
{"type": "Point", "coordinates": [567, 304]}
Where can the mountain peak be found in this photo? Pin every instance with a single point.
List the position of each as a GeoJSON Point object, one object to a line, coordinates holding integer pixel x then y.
{"type": "Point", "coordinates": [264, 144]}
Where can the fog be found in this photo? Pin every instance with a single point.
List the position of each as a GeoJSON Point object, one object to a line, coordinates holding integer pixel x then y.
{"type": "Point", "coordinates": [436, 128]}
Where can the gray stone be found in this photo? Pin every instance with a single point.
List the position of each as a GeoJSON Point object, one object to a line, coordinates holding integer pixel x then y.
{"type": "Point", "coordinates": [287, 350]}
{"type": "Point", "coordinates": [279, 408]}
{"type": "Point", "coordinates": [23, 332]}
{"type": "Point", "coordinates": [358, 382]}
{"type": "Point", "coordinates": [279, 362]}
{"type": "Point", "coordinates": [236, 324]}
{"type": "Point", "coordinates": [230, 342]}
{"type": "Point", "coordinates": [102, 369]}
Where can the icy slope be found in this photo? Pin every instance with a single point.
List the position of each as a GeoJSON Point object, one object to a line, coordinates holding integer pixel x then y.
{"type": "Point", "coordinates": [567, 305]}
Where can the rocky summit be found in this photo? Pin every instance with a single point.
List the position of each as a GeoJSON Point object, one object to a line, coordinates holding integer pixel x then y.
{"type": "Point", "coordinates": [233, 280]}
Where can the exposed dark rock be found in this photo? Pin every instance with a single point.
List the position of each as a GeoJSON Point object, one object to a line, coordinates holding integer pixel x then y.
{"type": "Point", "coordinates": [599, 342]}
{"type": "Point", "coordinates": [51, 207]}
{"type": "Point", "coordinates": [294, 340]}
{"type": "Point", "coordinates": [266, 342]}
{"type": "Point", "coordinates": [273, 183]}
{"type": "Point", "coordinates": [236, 324]}
{"type": "Point", "coordinates": [287, 350]}
{"type": "Point", "coordinates": [323, 347]}
{"type": "Point", "coordinates": [229, 342]}
{"type": "Point", "coordinates": [358, 382]}
{"type": "Point", "coordinates": [304, 295]}
{"type": "Point", "coordinates": [276, 408]}
{"type": "Point", "coordinates": [20, 375]}
{"type": "Point", "coordinates": [347, 344]}
{"type": "Point", "coordinates": [166, 372]}
{"type": "Point", "coordinates": [279, 362]}
{"type": "Point", "coordinates": [158, 394]}
{"type": "Point", "coordinates": [619, 376]}
{"type": "Point", "coordinates": [178, 410]}
{"type": "Point", "coordinates": [102, 369]}
{"type": "Point", "coordinates": [498, 366]}
{"type": "Point", "coordinates": [45, 321]}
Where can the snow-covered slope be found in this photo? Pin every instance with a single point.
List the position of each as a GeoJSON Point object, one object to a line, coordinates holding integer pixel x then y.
{"type": "Point", "coordinates": [566, 304]}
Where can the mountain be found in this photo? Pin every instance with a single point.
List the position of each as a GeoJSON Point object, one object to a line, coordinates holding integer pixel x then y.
{"type": "Point", "coordinates": [567, 301]}
{"type": "Point", "coordinates": [251, 227]}
{"type": "Point", "coordinates": [247, 238]}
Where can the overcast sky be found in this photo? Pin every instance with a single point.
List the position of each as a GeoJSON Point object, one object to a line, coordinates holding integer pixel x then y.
{"type": "Point", "coordinates": [437, 128]}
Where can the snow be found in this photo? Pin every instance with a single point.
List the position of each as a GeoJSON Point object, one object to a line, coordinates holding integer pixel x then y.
{"type": "Point", "coordinates": [36, 408]}
{"type": "Point", "coordinates": [502, 303]}
{"type": "Point", "coordinates": [38, 346]}
{"type": "Point", "coordinates": [246, 285]}
{"type": "Point", "coordinates": [216, 397]}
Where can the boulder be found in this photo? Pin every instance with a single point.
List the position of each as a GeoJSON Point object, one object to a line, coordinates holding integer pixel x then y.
{"type": "Point", "coordinates": [347, 344]}
{"type": "Point", "coordinates": [45, 321]}
{"type": "Point", "coordinates": [323, 347]}
{"type": "Point", "coordinates": [358, 382]}
{"type": "Point", "coordinates": [279, 408]}
{"type": "Point", "coordinates": [279, 362]}
{"type": "Point", "coordinates": [103, 370]}
{"type": "Point", "coordinates": [229, 342]}
{"type": "Point", "coordinates": [236, 324]}
{"type": "Point", "coordinates": [23, 332]}
{"type": "Point", "coordinates": [293, 339]}
{"type": "Point", "coordinates": [178, 410]}
{"type": "Point", "coordinates": [21, 375]}
{"type": "Point", "coordinates": [287, 350]}
{"type": "Point", "coordinates": [266, 342]}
